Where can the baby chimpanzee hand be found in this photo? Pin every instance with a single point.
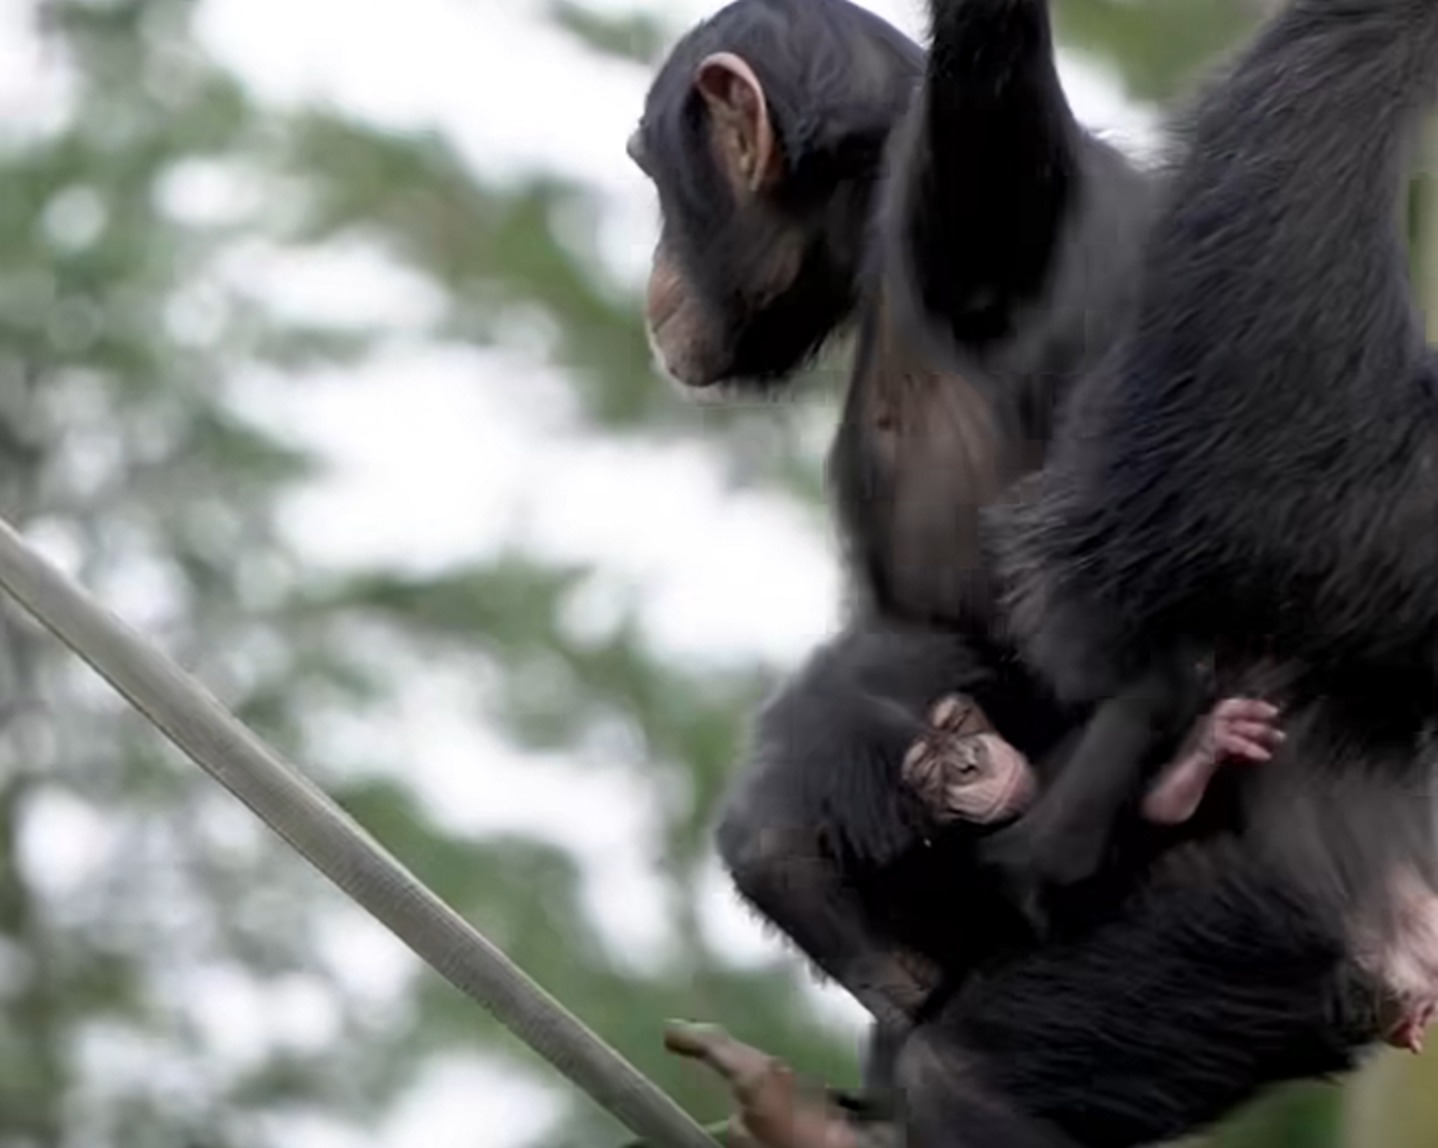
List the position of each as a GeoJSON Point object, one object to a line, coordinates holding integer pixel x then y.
{"type": "Point", "coordinates": [1237, 730]}
{"type": "Point", "coordinates": [962, 770]}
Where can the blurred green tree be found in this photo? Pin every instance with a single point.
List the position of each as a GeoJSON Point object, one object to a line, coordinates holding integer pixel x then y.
{"type": "Point", "coordinates": [136, 977]}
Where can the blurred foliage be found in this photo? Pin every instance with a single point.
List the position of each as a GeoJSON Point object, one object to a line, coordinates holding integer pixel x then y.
{"type": "Point", "coordinates": [1159, 48]}
{"type": "Point", "coordinates": [125, 441]}
{"type": "Point", "coordinates": [637, 37]}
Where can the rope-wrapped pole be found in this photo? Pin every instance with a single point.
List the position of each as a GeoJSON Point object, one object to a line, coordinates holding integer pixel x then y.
{"type": "Point", "coordinates": [327, 837]}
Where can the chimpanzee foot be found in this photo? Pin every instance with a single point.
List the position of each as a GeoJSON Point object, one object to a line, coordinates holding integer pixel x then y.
{"type": "Point", "coordinates": [963, 771]}
{"type": "Point", "coordinates": [1410, 1029]}
{"type": "Point", "coordinates": [771, 1109]}
{"type": "Point", "coordinates": [1237, 730]}
{"type": "Point", "coordinates": [1407, 963]}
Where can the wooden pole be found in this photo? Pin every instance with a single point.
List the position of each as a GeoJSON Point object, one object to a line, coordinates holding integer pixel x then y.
{"type": "Point", "coordinates": [327, 837]}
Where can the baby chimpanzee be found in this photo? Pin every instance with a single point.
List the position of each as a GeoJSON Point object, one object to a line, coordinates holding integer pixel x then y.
{"type": "Point", "coordinates": [965, 772]}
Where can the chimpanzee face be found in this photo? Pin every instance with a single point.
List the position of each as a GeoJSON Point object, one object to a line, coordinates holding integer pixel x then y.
{"type": "Point", "coordinates": [730, 259]}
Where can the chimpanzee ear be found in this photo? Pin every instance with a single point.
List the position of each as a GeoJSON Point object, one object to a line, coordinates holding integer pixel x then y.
{"type": "Point", "coordinates": [740, 116]}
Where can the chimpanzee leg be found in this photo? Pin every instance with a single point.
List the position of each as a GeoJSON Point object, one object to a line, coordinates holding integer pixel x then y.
{"type": "Point", "coordinates": [947, 1100]}
{"type": "Point", "coordinates": [800, 887]}
{"type": "Point", "coordinates": [817, 796]}
{"type": "Point", "coordinates": [1210, 985]}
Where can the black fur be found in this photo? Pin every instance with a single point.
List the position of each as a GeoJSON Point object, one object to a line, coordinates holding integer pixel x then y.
{"type": "Point", "coordinates": [836, 78]}
{"type": "Point", "coordinates": [1213, 982]}
{"type": "Point", "coordinates": [1149, 1012]}
{"type": "Point", "coordinates": [962, 358]}
{"type": "Point", "coordinates": [1251, 477]}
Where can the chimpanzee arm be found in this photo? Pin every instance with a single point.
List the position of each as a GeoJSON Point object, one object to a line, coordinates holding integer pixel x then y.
{"type": "Point", "coordinates": [1064, 838]}
{"type": "Point", "coordinates": [1016, 231]}
{"type": "Point", "coordinates": [821, 812]}
{"type": "Point", "coordinates": [993, 167]}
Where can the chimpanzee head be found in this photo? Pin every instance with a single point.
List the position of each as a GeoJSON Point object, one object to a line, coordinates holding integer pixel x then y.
{"type": "Point", "coordinates": [764, 135]}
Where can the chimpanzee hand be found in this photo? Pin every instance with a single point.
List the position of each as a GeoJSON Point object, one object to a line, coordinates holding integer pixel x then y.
{"type": "Point", "coordinates": [1238, 730]}
{"type": "Point", "coordinates": [772, 1110]}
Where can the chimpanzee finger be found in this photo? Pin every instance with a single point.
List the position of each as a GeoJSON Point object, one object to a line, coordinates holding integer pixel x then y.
{"type": "Point", "coordinates": [1250, 726]}
{"type": "Point", "coordinates": [1268, 735]}
{"type": "Point", "coordinates": [1246, 727]}
{"type": "Point", "coordinates": [740, 1064]}
{"type": "Point", "coordinates": [1247, 709]}
{"type": "Point", "coordinates": [1230, 745]}
{"type": "Point", "coordinates": [1264, 735]}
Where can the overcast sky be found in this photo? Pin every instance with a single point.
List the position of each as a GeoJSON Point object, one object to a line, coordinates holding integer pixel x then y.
{"type": "Point", "coordinates": [489, 445]}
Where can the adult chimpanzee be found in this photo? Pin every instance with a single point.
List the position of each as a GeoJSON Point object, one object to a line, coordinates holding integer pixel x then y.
{"type": "Point", "coordinates": [766, 134]}
{"type": "Point", "coordinates": [1249, 477]}
{"type": "Point", "coordinates": [1242, 977]}
{"type": "Point", "coordinates": [1252, 476]}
